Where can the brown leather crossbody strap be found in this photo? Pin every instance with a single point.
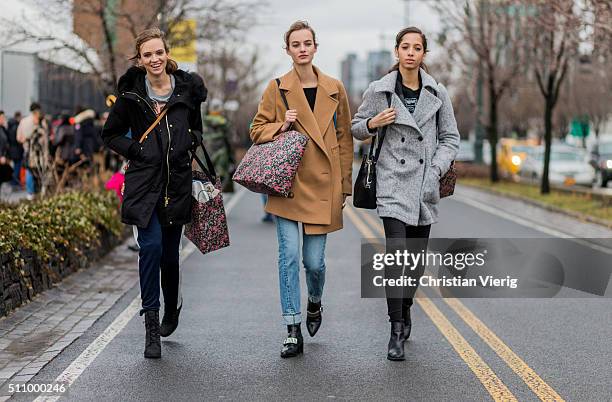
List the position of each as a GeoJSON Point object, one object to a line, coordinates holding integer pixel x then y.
{"type": "Point", "coordinates": [152, 126]}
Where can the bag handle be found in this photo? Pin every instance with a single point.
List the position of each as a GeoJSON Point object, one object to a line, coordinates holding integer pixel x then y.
{"type": "Point", "coordinates": [284, 98]}
{"type": "Point", "coordinates": [152, 126]}
{"type": "Point", "coordinates": [371, 155]}
{"type": "Point", "coordinates": [210, 171]}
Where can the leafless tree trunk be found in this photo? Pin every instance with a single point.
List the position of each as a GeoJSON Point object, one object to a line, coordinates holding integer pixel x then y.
{"type": "Point", "coordinates": [554, 39]}
{"type": "Point", "coordinates": [489, 34]}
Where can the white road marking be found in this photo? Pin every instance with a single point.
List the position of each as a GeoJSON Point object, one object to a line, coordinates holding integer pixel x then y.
{"type": "Point", "coordinates": [78, 366]}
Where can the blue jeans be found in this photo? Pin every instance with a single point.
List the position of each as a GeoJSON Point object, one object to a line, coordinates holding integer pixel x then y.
{"type": "Point", "coordinates": [159, 251]}
{"type": "Point", "coordinates": [30, 182]}
{"type": "Point", "coordinates": [313, 257]}
{"type": "Point", "coordinates": [16, 172]}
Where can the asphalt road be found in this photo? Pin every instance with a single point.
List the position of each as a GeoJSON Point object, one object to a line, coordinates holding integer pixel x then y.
{"type": "Point", "coordinates": [228, 341]}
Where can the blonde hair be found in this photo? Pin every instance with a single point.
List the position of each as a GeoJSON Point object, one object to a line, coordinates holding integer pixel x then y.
{"type": "Point", "coordinates": [154, 33]}
{"type": "Point", "coordinates": [298, 26]}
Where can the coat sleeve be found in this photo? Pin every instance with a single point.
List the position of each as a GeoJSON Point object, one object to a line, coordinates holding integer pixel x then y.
{"type": "Point", "coordinates": [199, 94]}
{"type": "Point", "coordinates": [345, 140]}
{"type": "Point", "coordinates": [448, 134]}
{"type": "Point", "coordinates": [366, 111]}
{"type": "Point", "coordinates": [265, 127]}
{"type": "Point", "coordinates": [116, 127]}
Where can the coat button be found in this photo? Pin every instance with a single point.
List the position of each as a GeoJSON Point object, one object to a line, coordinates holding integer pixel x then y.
{"type": "Point", "coordinates": [170, 125]}
{"type": "Point", "coordinates": [172, 149]}
{"type": "Point", "coordinates": [421, 161]}
{"type": "Point", "coordinates": [402, 161]}
{"type": "Point", "coordinates": [420, 138]}
{"type": "Point", "coordinates": [290, 194]}
{"type": "Point", "coordinates": [403, 139]}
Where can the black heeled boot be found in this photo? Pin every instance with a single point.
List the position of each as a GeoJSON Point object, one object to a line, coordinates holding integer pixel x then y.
{"type": "Point", "coordinates": [293, 345]}
{"type": "Point", "coordinates": [396, 341]}
{"type": "Point", "coordinates": [314, 317]}
{"type": "Point", "coordinates": [170, 320]}
{"type": "Point", "coordinates": [152, 339]}
{"type": "Point", "coordinates": [407, 324]}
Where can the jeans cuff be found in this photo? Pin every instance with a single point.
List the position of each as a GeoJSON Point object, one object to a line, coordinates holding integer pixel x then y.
{"type": "Point", "coordinates": [292, 319]}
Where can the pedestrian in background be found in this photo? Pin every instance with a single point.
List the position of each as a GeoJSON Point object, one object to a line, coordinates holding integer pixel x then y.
{"type": "Point", "coordinates": [15, 152]}
{"type": "Point", "coordinates": [33, 133]}
{"type": "Point", "coordinates": [85, 132]}
{"type": "Point", "coordinates": [318, 108]}
{"type": "Point", "coordinates": [420, 143]}
{"type": "Point", "coordinates": [154, 94]}
{"type": "Point", "coordinates": [65, 143]}
{"type": "Point", "coordinates": [5, 169]}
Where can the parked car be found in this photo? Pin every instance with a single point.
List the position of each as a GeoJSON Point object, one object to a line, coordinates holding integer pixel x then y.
{"type": "Point", "coordinates": [601, 160]}
{"type": "Point", "coordinates": [568, 165]}
{"type": "Point", "coordinates": [466, 152]}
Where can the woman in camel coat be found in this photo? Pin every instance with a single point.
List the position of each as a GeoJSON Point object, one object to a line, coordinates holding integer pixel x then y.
{"type": "Point", "coordinates": [318, 108]}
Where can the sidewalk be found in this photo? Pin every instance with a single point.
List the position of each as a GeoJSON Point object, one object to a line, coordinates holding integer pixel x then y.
{"type": "Point", "coordinates": [32, 335]}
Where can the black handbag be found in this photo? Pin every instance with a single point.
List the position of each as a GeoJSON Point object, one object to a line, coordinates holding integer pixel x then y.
{"type": "Point", "coordinates": [364, 191]}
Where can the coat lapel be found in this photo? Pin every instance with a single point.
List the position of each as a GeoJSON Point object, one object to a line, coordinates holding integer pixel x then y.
{"type": "Point", "coordinates": [325, 102]}
{"type": "Point", "coordinates": [403, 116]}
{"type": "Point", "coordinates": [427, 106]}
{"type": "Point", "coordinates": [428, 103]}
{"type": "Point", "coordinates": [296, 99]}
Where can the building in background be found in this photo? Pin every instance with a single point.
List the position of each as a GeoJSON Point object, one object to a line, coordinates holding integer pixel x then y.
{"type": "Point", "coordinates": [356, 74]}
{"type": "Point", "coordinates": [45, 72]}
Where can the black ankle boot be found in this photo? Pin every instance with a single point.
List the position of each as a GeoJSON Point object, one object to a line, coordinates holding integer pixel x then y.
{"type": "Point", "coordinates": [170, 320]}
{"type": "Point", "coordinates": [407, 324]}
{"type": "Point", "coordinates": [314, 317]}
{"type": "Point", "coordinates": [293, 345]}
{"type": "Point", "coordinates": [152, 340]}
{"type": "Point", "coordinates": [396, 341]}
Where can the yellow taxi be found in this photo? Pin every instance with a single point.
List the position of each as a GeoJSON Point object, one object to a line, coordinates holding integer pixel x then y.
{"type": "Point", "coordinates": [512, 154]}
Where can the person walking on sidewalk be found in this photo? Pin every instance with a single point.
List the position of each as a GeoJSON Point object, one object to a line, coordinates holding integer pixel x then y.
{"type": "Point", "coordinates": [420, 143]}
{"type": "Point", "coordinates": [154, 94]}
{"type": "Point", "coordinates": [15, 150]}
{"type": "Point", "coordinates": [33, 133]}
{"type": "Point", "coordinates": [318, 108]}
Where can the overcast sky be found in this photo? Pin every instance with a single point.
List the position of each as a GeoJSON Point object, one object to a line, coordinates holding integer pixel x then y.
{"type": "Point", "coordinates": [342, 26]}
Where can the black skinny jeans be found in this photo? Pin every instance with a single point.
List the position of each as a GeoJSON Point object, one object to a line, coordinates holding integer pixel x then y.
{"type": "Point", "coordinates": [399, 299]}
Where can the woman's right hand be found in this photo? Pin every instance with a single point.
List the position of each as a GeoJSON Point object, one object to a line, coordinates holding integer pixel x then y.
{"type": "Point", "coordinates": [382, 119]}
{"type": "Point", "coordinates": [290, 118]}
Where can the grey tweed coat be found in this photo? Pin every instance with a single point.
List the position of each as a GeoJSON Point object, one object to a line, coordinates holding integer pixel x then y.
{"type": "Point", "coordinates": [415, 152]}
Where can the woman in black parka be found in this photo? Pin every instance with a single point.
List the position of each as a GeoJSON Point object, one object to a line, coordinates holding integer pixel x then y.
{"type": "Point", "coordinates": [157, 193]}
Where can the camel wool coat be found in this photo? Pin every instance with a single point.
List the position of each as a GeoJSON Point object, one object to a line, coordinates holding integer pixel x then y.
{"type": "Point", "coordinates": [324, 174]}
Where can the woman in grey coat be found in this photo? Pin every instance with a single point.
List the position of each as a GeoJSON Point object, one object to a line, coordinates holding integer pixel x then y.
{"type": "Point", "coordinates": [420, 143]}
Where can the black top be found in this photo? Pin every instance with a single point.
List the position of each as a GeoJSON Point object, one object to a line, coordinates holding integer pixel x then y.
{"type": "Point", "coordinates": [410, 97]}
{"type": "Point", "coordinates": [311, 96]}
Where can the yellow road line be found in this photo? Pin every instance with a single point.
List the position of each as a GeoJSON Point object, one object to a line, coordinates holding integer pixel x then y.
{"type": "Point", "coordinates": [494, 386]}
{"type": "Point", "coordinates": [543, 391]}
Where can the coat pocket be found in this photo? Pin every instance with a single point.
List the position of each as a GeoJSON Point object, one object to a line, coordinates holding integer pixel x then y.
{"type": "Point", "coordinates": [431, 187]}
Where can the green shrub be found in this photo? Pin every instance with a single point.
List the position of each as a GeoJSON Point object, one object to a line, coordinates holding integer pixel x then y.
{"type": "Point", "coordinates": [69, 221]}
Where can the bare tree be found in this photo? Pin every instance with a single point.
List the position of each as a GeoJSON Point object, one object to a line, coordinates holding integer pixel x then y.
{"type": "Point", "coordinates": [487, 34]}
{"type": "Point", "coordinates": [554, 40]}
{"type": "Point", "coordinates": [108, 28]}
{"type": "Point", "coordinates": [234, 77]}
